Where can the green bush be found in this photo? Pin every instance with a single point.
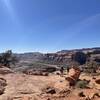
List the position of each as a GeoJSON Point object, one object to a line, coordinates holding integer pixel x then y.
{"type": "Point", "coordinates": [82, 84]}
{"type": "Point", "coordinates": [7, 58]}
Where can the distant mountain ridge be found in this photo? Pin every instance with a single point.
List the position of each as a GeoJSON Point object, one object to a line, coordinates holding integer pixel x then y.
{"type": "Point", "coordinates": [31, 56]}
{"type": "Point", "coordinates": [79, 50]}
{"type": "Point", "coordinates": [57, 56]}
{"type": "Point", "coordinates": [36, 60]}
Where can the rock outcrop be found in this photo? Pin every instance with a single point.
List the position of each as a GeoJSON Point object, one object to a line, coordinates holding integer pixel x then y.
{"type": "Point", "coordinates": [73, 75]}
{"type": "Point", "coordinates": [5, 70]}
{"type": "Point", "coordinates": [80, 55]}
{"type": "Point", "coordinates": [2, 85]}
{"type": "Point", "coordinates": [58, 58]}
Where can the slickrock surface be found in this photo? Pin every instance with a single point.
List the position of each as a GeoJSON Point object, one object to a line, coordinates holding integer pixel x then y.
{"type": "Point", "coordinates": [32, 87]}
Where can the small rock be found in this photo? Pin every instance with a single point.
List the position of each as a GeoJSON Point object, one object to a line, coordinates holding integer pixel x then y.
{"type": "Point", "coordinates": [2, 90]}
{"type": "Point", "coordinates": [26, 98]}
{"type": "Point", "coordinates": [3, 82]}
{"type": "Point", "coordinates": [51, 91]}
{"type": "Point", "coordinates": [98, 81]}
{"type": "Point", "coordinates": [81, 94]}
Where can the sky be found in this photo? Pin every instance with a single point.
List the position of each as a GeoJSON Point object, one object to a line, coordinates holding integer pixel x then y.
{"type": "Point", "coordinates": [49, 25]}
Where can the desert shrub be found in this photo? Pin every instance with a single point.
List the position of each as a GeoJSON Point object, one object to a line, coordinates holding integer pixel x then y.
{"type": "Point", "coordinates": [91, 67]}
{"type": "Point", "coordinates": [7, 58]}
{"type": "Point", "coordinates": [82, 84]}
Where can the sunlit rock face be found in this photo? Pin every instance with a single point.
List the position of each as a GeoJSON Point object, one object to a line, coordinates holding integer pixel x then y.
{"type": "Point", "coordinates": [74, 73]}
{"type": "Point", "coordinates": [73, 76]}
{"type": "Point", "coordinates": [58, 58]}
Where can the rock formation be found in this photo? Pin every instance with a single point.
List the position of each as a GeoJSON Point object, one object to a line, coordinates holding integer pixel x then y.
{"type": "Point", "coordinates": [5, 70]}
{"type": "Point", "coordinates": [2, 85]}
{"type": "Point", "coordinates": [73, 75]}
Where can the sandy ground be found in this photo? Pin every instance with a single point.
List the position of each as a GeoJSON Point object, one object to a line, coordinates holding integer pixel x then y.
{"type": "Point", "coordinates": [29, 87]}
{"type": "Point", "coordinates": [19, 84]}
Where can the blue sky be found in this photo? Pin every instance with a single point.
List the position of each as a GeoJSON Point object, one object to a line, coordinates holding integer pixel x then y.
{"type": "Point", "coordinates": [49, 25]}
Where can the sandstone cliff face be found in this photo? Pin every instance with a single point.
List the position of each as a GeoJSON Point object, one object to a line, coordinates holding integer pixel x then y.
{"type": "Point", "coordinates": [66, 57]}
{"type": "Point", "coordinates": [58, 57]}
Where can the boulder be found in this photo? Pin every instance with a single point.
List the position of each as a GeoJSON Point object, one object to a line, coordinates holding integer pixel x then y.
{"type": "Point", "coordinates": [81, 94]}
{"type": "Point", "coordinates": [73, 75]}
{"type": "Point", "coordinates": [5, 70]}
{"type": "Point", "coordinates": [3, 82]}
{"type": "Point", "coordinates": [50, 91]}
{"type": "Point", "coordinates": [71, 81]}
{"type": "Point", "coordinates": [2, 89]}
{"type": "Point", "coordinates": [97, 81]}
{"type": "Point", "coordinates": [2, 85]}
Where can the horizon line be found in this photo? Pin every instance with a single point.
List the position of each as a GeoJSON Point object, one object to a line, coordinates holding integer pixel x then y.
{"type": "Point", "coordinates": [41, 51]}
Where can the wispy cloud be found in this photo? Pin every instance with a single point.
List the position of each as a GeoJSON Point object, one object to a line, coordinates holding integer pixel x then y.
{"type": "Point", "coordinates": [10, 10]}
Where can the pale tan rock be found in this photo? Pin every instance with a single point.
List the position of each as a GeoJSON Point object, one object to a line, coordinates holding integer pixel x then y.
{"type": "Point", "coordinates": [5, 70]}
{"type": "Point", "coordinates": [25, 98]}
{"type": "Point", "coordinates": [73, 75]}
